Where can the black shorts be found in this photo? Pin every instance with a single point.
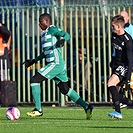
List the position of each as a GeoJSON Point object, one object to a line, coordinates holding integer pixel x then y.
{"type": "Point", "coordinates": [121, 72]}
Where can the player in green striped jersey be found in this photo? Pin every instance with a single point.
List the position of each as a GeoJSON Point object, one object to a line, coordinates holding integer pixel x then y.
{"type": "Point", "coordinates": [52, 38]}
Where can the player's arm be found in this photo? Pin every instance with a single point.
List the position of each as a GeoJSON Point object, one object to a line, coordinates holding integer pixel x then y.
{"type": "Point", "coordinates": [29, 62]}
{"type": "Point", "coordinates": [55, 31]}
{"type": "Point", "coordinates": [129, 47]}
{"type": "Point", "coordinates": [60, 33]}
{"type": "Point", "coordinates": [40, 57]}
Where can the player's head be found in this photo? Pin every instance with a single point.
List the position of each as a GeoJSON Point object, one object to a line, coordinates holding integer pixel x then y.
{"type": "Point", "coordinates": [118, 23]}
{"type": "Point", "coordinates": [125, 16]}
{"type": "Point", "coordinates": [45, 21]}
{"type": "Point", "coordinates": [1, 25]}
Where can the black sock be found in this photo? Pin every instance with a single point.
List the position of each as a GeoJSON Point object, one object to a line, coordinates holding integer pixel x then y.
{"type": "Point", "coordinates": [123, 99]}
{"type": "Point", "coordinates": [115, 97]}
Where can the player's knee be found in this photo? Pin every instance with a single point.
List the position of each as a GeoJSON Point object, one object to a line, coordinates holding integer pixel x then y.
{"type": "Point", "coordinates": [32, 80]}
{"type": "Point", "coordinates": [63, 86]}
{"type": "Point", "coordinates": [37, 78]}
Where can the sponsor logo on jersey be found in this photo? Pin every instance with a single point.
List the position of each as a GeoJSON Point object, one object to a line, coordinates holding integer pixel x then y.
{"type": "Point", "coordinates": [117, 46]}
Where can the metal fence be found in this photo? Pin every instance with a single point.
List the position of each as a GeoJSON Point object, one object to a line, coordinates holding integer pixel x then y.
{"type": "Point", "coordinates": [87, 54]}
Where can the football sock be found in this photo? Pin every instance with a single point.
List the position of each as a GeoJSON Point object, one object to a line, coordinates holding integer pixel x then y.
{"type": "Point", "coordinates": [36, 95]}
{"type": "Point", "coordinates": [76, 98]}
{"type": "Point", "coordinates": [81, 102]}
{"type": "Point", "coordinates": [123, 99]}
{"type": "Point", "coordinates": [115, 97]}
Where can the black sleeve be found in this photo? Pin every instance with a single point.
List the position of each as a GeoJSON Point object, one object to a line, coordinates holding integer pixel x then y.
{"type": "Point", "coordinates": [129, 46]}
{"type": "Point", "coordinates": [5, 33]}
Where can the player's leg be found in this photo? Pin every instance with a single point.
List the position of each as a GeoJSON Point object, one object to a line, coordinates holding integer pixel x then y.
{"type": "Point", "coordinates": [113, 81]}
{"type": "Point", "coordinates": [124, 100]}
{"type": "Point", "coordinates": [121, 93]}
{"type": "Point", "coordinates": [35, 87]}
{"type": "Point", "coordinates": [117, 78]}
{"type": "Point", "coordinates": [73, 95]}
{"type": "Point", "coordinates": [47, 72]}
{"type": "Point", "coordinates": [62, 82]}
{"type": "Point", "coordinates": [116, 102]}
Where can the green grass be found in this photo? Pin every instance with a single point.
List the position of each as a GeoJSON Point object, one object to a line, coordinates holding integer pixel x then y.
{"type": "Point", "coordinates": [67, 120]}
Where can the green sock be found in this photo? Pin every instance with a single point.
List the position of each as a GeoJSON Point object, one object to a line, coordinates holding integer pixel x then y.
{"type": "Point", "coordinates": [76, 98]}
{"type": "Point", "coordinates": [36, 94]}
{"type": "Point", "coordinates": [81, 102]}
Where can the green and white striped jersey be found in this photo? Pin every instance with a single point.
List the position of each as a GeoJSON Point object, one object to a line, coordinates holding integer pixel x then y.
{"type": "Point", "coordinates": [49, 38]}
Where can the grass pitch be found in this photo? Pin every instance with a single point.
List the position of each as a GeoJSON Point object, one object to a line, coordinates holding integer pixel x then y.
{"type": "Point", "coordinates": [67, 120]}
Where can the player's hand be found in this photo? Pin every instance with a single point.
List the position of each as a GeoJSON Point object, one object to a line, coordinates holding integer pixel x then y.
{"type": "Point", "coordinates": [60, 43]}
{"type": "Point", "coordinates": [127, 85]}
{"type": "Point", "coordinates": [28, 62]}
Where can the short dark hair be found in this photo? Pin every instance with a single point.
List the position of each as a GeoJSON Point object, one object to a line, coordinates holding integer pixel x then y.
{"type": "Point", "coordinates": [45, 16]}
{"type": "Point", "coordinates": [118, 19]}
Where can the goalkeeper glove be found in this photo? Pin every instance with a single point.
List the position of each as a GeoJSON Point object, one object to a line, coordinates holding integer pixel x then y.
{"type": "Point", "coordinates": [60, 43]}
{"type": "Point", "coordinates": [28, 62]}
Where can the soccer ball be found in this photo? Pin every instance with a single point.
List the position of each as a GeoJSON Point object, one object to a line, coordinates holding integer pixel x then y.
{"type": "Point", "coordinates": [12, 113]}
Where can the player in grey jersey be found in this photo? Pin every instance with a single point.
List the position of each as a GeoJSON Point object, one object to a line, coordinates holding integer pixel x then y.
{"type": "Point", "coordinates": [52, 38]}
